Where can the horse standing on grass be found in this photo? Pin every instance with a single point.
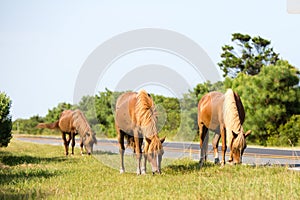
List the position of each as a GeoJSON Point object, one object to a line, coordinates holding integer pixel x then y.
{"type": "Point", "coordinates": [71, 123]}
{"type": "Point", "coordinates": [224, 114]}
{"type": "Point", "coordinates": [136, 119]}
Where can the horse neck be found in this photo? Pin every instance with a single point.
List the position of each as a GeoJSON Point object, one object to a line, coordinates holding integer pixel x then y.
{"type": "Point", "coordinates": [231, 113]}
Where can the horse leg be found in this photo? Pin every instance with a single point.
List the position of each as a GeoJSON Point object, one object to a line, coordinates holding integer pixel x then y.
{"type": "Point", "coordinates": [224, 147]}
{"type": "Point", "coordinates": [203, 143]}
{"type": "Point", "coordinates": [145, 154]}
{"type": "Point", "coordinates": [215, 144]}
{"type": "Point", "coordinates": [65, 143]}
{"type": "Point", "coordinates": [230, 142]}
{"type": "Point", "coordinates": [138, 141]}
{"type": "Point", "coordinates": [121, 148]}
{"type": "Point", "coordinates": [81, 146]}
{"type": "Point", "coordinates": [73, 142]}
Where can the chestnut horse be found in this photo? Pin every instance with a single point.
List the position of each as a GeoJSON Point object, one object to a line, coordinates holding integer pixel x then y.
{"type": "Point", "coordinates": [136, 119]}
{"type": "Point", "coordinates": [224, 114]}
{"type": "Point", "coordinates": [71, 123]}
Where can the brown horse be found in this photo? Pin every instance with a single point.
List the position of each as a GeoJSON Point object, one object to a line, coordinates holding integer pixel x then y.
{"type": "Point", "coordinates": [224, 114]}
{"type": "Point", "coordinates": [136, 119]}
{"type": "Point", "coordinates": [71, 123]}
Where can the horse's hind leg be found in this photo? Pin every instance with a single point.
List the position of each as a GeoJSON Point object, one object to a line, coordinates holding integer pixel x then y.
{"type": "Point", "coordinates": [66, 144]}
{"type": "Point", "coordinates": [215, 144]}
{"type": "Point", "coordinates": [203, 143]}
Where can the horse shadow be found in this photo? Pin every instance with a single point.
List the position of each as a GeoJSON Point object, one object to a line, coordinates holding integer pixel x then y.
{"type": "Point", "coordinates": [7, 175]}
{"type": "Point", "coordinates": [186, 166]}
{"type": "Point", "coordinates": [100, 152]}
{"type": "Point", "coordinates": [9, 159]}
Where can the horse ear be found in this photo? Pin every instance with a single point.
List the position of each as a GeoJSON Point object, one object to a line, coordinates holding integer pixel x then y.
{"type": "Point", "coordinates": [148, 140]}
{"type": "Point", "coordinates": [248, 133]}
{"type": "Point", "coordinates": [162, 139]}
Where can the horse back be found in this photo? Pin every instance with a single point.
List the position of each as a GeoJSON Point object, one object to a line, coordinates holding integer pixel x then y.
{"type": "Point", "coordinates": [125, 117]}
{"type": "Point", "coordinates": [65, 122]}
{"type": "Point", "coordinates": [210, 110]}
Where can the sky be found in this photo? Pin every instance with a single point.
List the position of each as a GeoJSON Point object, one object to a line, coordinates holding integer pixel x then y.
{"type": "Point", "coordinates": [44, 45]}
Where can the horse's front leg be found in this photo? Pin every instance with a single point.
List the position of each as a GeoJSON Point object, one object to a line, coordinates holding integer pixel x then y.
{"type": "Point", "coordinates": [81, 146]}
{"type": "Point", "coordinates": [215, 144]}
{"type": "Point", "coordinates": [224, 146]}
{"type": "Point", "coordinates": [138, 150]}
{"type": "Point", "coordinates": [73, 142]}
{"type": "Point", "coordinates": [145, 154]}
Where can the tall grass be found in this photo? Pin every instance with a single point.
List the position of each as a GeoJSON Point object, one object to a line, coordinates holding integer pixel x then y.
{"type": "Point", "coordinates": [33, 171]}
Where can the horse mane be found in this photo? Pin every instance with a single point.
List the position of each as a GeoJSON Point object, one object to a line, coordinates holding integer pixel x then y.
{"type": "Point", "coordinates": [145, 113]}
{"type": "Point", "coordinates": [231, 113]}
{"type": "Point", "coordinates": [81, 124]}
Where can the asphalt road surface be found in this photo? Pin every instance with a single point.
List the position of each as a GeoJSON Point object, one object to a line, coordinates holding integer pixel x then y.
{"type": "Point", "coordinates": [252, 155]}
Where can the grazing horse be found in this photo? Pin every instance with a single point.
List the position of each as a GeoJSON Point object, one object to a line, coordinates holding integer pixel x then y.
{"type": "Point", "coordinates": [71, 123]}
{"type": "Point", "coordinates": [224, 114]}
{"type": "Point", "coordinates": [136, 119]}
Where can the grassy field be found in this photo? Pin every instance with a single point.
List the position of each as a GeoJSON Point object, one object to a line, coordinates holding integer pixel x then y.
{"type": "Point", "coordinates": [33, 171]}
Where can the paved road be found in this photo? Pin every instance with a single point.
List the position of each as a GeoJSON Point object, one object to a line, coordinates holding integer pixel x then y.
{"type": "Point", "coordinates": [252, 155]}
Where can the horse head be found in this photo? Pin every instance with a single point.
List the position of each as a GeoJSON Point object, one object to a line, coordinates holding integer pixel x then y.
{"type": "Point", "coordinates": [155, 152]}
{"type": "Point", "coordinates": [238, 146]}
{"type": "Point", "coordinates": [88, 141]}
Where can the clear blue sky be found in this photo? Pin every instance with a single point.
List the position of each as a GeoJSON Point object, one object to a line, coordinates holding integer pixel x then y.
{"type": "Point", "coordinates": [43, 44]}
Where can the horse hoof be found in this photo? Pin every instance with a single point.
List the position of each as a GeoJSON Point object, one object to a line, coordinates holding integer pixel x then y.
{"type": "Point", "coordinates": [222, 164]}
{"type": "Point", "coordinates": [143, 172]}
{"type": "Point", "coordinates": [122, 171]}
{"type": "Point", "coordinates": [217, 161]}
{"type": "Point", "coordinates": [201, 162]}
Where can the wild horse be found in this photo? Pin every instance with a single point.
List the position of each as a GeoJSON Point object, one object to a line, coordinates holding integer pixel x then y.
{"type": "Point", "coordinates": [136, 119]}
{"type": "Point", "coordinates": [224, 114]}
{"type": "Point", "coordinates": [71, 123]}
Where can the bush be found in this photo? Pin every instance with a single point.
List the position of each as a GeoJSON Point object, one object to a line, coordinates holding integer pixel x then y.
{"type": "Point", "coordinates": [289, 133]}
{"type": "Point", "coordinates": [5, 120]}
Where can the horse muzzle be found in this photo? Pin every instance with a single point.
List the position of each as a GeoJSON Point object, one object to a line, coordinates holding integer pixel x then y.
{"type": "Point", "coordinates": [156, 172]}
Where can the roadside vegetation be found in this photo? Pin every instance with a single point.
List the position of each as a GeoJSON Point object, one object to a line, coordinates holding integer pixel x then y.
{"type": "Point", "coordinates": [34, 171]}
{"type": "Point", "coordinates": [267, 84]}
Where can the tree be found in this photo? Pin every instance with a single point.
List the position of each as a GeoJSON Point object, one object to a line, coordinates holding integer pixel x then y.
{"type": "Point", "coordinates": [54, 113]}
{"type": "Point", "coordinates": [168, 109]}
{"type": "Point", "coordinates": [248, 55]}
{"type": "Point", "coordinates": [270, 99]}
{"type": "Point", "coordinates": [88, 107]}
{"type": "Point", "coordinates": [5, 120]}
{"type": "Point", "coordinates": [105, 107]}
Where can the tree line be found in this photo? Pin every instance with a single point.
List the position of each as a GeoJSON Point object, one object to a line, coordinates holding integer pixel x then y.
{"type": "Point", "coordinates": [268, 87]}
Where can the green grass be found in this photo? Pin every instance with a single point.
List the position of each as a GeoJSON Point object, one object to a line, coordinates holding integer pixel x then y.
{"type": "Point", "coordinates": [33, 171]}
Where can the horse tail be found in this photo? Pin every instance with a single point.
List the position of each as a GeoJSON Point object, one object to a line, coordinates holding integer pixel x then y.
{"type": "Point", "coordinates": [53, 125]}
